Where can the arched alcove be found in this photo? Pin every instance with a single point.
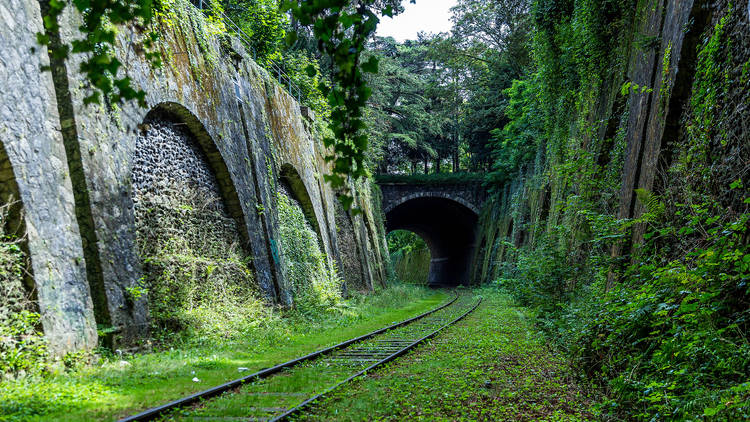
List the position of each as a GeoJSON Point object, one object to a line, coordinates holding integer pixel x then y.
{"type": "Point", "coordinates": [291, 183]}
{"type": "Point", "coordinates": [190, 226]}
{"type": "Point", "coordinates": [449, 229]}
{"type": "Point", "coordinates": [183, 119]}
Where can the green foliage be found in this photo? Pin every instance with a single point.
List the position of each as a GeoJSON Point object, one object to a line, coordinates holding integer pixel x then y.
{"type": "Point", "coordinates": [669, 343]}
{"type": "Point", "coordinates": [122, 384]}
{"type": "Point", "coordinates": [342, 29]}
{"type": "Point", "coordinates": [517, 142]}
{"type": "Point", "coordinates": [431, 179]}
{"type": "Point", "coordinates": [101, 67]}
{"type": "Point", "coordinates": [196, 272]}
{"type": "Point", "coordinates": [314, 281]}
{"type": "Point", "coordinates": [410, 256]}
{"type": "Point", "coordinates": [540, 277]}
{"type": "Point", "coordinates": [404, 241]}
{"type": "Point", "coordinates": [304, 70]}
{"type": "Point", "coordinates": [492, 366]}
{"type": "Point", "coordinates": [23, 349]}
{"type": "Point", "coordinates": [263, 22]}
{"type": "Point", "coordinates": [710, 84]}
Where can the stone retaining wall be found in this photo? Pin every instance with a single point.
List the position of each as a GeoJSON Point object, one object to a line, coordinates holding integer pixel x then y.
{"type": "Point", "coordinates": [74, 164]}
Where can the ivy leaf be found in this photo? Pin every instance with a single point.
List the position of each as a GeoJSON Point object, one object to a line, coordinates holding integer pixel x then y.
{"type": "Point", "coordinates": [291, 38]}
{"type": "Point", "coordinates": [371, 65]}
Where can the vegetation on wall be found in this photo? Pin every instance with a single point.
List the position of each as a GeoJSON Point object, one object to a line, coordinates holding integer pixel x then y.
{"type": "Point", "coordinates": [197, 276]}
{"type": "Point", "coordinates": [314, 279]}
{"type": "Point", "coordinates": [23, 350]}
{"type": "Point", "coordinates": [659, 326]}
{"type": "Point", "coordinates": [410, 257]}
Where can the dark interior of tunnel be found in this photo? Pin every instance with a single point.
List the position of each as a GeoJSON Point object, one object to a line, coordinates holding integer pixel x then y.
{"type": "Point", "coordinates": [449, 229]}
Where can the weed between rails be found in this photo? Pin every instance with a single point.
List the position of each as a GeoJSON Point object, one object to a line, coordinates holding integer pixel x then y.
{"type": "Point", "coordinates": [494, 365]}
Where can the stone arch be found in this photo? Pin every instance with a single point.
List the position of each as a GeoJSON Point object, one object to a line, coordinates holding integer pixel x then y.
{"type": "Point", "coordinates": [448, 226]}
{"type": "Point", "coordinates": [190, 227]}
{"type": "Point", "coordinates": [180, 115]}
{"type": "Point", "coordinates": [428, 194]}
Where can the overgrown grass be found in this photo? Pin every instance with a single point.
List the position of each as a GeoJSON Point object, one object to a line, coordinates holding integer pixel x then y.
{"type": "Point", "coordinates": [196, 274]}
{"type": "Point", "coordinates": [492, 366]}
{"type": "Point", "coordinates": [120, 385]}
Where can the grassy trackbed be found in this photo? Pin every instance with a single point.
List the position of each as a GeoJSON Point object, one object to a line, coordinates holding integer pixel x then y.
{"type": "Point", "coordinates": [492, 366]}
{"type": "Point", "coordinates": [116, 388]}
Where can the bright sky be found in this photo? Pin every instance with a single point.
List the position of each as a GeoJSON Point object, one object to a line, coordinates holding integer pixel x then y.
{"type": "Point", "coordinates": [424, 16]}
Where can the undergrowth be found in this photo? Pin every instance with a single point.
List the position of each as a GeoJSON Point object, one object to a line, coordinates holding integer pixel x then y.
{"type": "Point", "coordinates": [197, 278]}
{"type": "Point", "coordinates": [23, 349]}
{"type": "Point", "coordinates": [410, 257]}
{"type": "Point", "coordinates": [669, 341]}
{"type": "Point", "coordinates": [314, 279]}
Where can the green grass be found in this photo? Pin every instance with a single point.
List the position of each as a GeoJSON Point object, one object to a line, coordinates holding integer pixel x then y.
{"type": "Point", "coordinates": [113, 389]}
{"type": "Point", "coordinates": [262, 398]}
{"type": "Point", "coordinates": [492, 366]}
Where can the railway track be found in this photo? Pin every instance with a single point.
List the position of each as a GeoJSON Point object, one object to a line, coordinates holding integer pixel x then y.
{"type": "Point", "coordinates": [285, 390]}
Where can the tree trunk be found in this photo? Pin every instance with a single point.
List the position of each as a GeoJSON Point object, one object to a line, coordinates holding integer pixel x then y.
{"type": "Point", "coordinates": [426, 162]}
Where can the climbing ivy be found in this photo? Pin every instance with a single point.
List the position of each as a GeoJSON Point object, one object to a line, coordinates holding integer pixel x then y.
{"type": "Point", "coordinates": [98, 31]}
{"type": "Point", "coordinates": [315, 282]}
{"type": "Point", "coordinates": [342, 28]}
{"type": "Point", "coordinates": [23, 349]}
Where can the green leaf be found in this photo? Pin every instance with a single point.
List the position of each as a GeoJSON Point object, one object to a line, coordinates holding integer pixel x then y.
{"type": "Point", "coordinates": [371, 65]}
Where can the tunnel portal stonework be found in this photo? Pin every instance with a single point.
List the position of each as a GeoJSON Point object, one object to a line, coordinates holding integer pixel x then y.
{"type": "Point", "coordinates": [445, 215]}
{"type": "Point", "coordinates": [80, 168]}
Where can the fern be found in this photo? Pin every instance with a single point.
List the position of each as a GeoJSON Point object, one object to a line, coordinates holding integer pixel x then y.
{"type": "Point", "coordinates": [655, 208]}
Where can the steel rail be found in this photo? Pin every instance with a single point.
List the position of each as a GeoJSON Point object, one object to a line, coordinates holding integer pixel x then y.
{"type": "Point", "coordinates": [155, 412]}
{"type": "Point", "coordinates": [393, 356]}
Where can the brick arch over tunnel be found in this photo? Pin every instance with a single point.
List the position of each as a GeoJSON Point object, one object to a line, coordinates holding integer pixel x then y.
{"type": "Point", "coordinates": [448, 226]}
{"type": "Point", "coordinates": [427, 194]}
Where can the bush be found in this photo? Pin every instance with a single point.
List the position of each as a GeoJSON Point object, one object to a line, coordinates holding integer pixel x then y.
{"type": "Point", "coordinates": [670, 343]}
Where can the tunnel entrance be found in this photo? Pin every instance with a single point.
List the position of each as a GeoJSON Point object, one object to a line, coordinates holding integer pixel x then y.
{"type": "Point", "coordinates": [449, 229]}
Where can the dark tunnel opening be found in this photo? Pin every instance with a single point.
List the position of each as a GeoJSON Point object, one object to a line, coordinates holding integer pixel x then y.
{"type": "Point", "coordinates": [450, 231]}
